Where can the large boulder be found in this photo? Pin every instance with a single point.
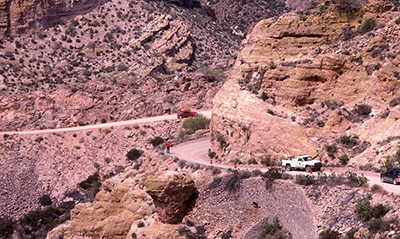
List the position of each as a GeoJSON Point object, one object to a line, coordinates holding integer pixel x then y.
{"type": "Point", "coordinates": [171, 192]}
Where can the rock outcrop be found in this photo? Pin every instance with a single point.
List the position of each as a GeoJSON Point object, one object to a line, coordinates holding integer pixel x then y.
{"type": "Point", "coordinates": [275, 102]}
{"type": "Point", "coordinates": [17, 17]}
{"type": "Point", "coordinates": [171, 192]}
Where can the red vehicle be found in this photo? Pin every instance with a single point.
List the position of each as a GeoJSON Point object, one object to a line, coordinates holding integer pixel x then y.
{"type": "Point", "coordinates": [186, 113]}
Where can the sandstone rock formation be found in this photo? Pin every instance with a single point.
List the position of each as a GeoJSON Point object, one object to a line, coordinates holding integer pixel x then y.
{"type": "Point", "coordinates": [291, 67]}
{"type": "Point", "coordinates": [19, 16]}
{"type": "Point", "coordinates": [170, 192]}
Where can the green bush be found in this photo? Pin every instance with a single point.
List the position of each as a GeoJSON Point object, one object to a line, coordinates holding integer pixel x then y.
{"type": "Point", "coordinates": [195, 123]}
{"type": "Point", "coordinates": [329, 234]}
{"type": "Point", "coordinates": [134, 154]}
{"type": "Point", "coordinates": [378, 225]}
{"type": "Point", "coordinates": [270, 176]}
{"type": "Point", "coordinates": [320, 123]}
{"type": "Point", "coordinates": [363, 109]}
{"type": "Point", "coordinates": [274, 230]}
{"type": "Point", "coordinates": [156, 141]}
{"type": "Point", "coordinates": [368, 25]}
{"type": "Point", "coordinates": [103, 120]}
{"type": "Point", "coordinates": [252, 161]}
{"type": "Point", "coordinates": [266, 161]}
{"type": "Point", "coordinates": [366, 212]}
{"type": "Point", "coordinates": [211, 154]}
{"type": "Point", "coordinates": [90, 182]}
{"type": "Point", "coordinates": [6, 227]}
{"type": "Point", "coordinates": [344, 159]}
{"type": "Point", "coordinates": [348, 141]}
{"type": "Point", "coordinates": [305, 179]}
{"type": "Point", "coordinates": [331, 149]}
{"type": "Point", "coordinates": [45, 200]}
{"type": "Point", "coordinates": [356, 181]}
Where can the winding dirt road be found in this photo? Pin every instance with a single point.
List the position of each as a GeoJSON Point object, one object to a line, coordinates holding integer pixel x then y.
{"type": "Point", "coordinates": [105, 125]}
{"type": "Point", "coordinates": [197, 152]}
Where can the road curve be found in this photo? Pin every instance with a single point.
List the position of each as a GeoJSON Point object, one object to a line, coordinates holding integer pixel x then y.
{"type": "Point", "coordinates": [197, 152]}
{"type": "Point", "coordinates": [105, 125]}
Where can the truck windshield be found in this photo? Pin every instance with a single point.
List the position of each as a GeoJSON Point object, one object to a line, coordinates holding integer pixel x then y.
{"type": "Point", "coordinates": [307, 159]}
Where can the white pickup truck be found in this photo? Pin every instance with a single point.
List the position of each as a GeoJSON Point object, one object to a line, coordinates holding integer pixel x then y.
{"type": "Point", "coordinates": [302, 162]}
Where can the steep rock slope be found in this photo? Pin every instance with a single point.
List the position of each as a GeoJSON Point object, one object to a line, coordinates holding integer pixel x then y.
{"type": "Point", "coordinates": [307, 78]}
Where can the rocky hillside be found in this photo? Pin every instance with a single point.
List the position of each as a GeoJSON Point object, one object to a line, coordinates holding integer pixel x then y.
{"type": "Point", "coordinates": [321, 81]}
{"type": "Point", "coordinates": [135, 53]}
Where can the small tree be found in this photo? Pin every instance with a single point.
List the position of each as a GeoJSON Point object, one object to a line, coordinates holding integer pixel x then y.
{"type": "Point", "coordinates": [134, 154]}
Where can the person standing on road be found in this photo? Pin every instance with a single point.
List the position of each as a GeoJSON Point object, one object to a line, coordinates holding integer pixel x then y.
{"type": "Point", "coordinates": [168, 144]}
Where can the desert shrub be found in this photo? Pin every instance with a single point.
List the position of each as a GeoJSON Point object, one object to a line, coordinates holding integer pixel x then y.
{"type": "Point", "coordinates": [257, 172]}
{"type": "Point", "coordinates": [348, 141]}
{"type": "Point", "coordinates": [134, 154]}
{"type": "Point", "coordinates": [122, 67]}
{"type": "Point", "coordinates": [221, 140]}
{"type": "Point", "coordinates": [394, 102]}
{"type": "Point", "coordinates": [212, 75]}
{"type": "Point", "coordinates": [351, 232]}
{"type": "Point", "coordinates": [321, 123]}
{"type": "Point", "coordinates": [45, 200]}
{"type": "Point", "coordinates": [362, 208]}
{"type": "Point", "coordinates": [264, 96]}
{"type": "Point", "coordinates": [305, 179]}
{"type": "Point", "coordinates": [34, 220]}
{"type": "Point", "coordinates": [96, 165]}
{"type": "Point", "coordinates": [181, 163]}
{"type": "Point", "coordinates": [331, 150]}
{"type": "Point", "coordinates": [363, 109]}
{"type": "Point", "coordinates": [6, 227]}
{"type": "Point", "coordinates": [347, 6]}
{"type": "Point", "coordinates": [195, 123]}
{"type": "Point", "coordinates": [90, 182]}
{"type": "Point", "coordinates": [355, 180]}
{"type": "Point", "coordinates": [332, 104]}
{"type": "Point", "coordinates": [378, 225]}
{"type": "Point", "coordinates": [344, 159]}
{"type": "Point", "coordinates": [266, 161]}
{"type": "Point", "coordinates": [103, 120]}
{"type": "Point", "coordinates": [39, 139]}
{"type": "Point", "coordinates": [274, 230]}
{"type": "Point", "coordinates": [216, 171]}
{"type": "Point", "coordinates": [232, 183]}
{"type": "Point", "coordinates": [329, 234]}
{"type": "Point", "coordinates": [252, 161]}
{"type": "Point", "coordinates": [368, 25]}
{"type": "Point", "coordinates": [227, 234]}
{"type": "Point", "coordinates": [156, 141]}
{"type": "Point", "coordinates": [366, 212]}
{"type": "Point", "coordinates": [211, 154]}
{"type": "Point", "coordinates": [245, 174]}
{"type": "Point", "coordinates": [376, 188]}
{"type": "Point", "coordinates": [270, 176]}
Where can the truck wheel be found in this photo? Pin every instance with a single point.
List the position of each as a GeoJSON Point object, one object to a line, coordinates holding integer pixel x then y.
{"type": "Point", "coordinates": [394, 182]}
{"type": "Point", "coordinates": [288, 167]}
{"type": "Point", "coordinates": [308, 168]}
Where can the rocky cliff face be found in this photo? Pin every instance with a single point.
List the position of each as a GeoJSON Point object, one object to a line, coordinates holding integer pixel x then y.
{"type": "Point", "coordinates": [17, 17]}
{"type": "Point", "coordinates": [302, 80]}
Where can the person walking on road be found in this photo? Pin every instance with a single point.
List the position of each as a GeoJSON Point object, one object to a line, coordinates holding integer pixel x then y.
{"type": "Point", "coordinates": [168, 144]}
